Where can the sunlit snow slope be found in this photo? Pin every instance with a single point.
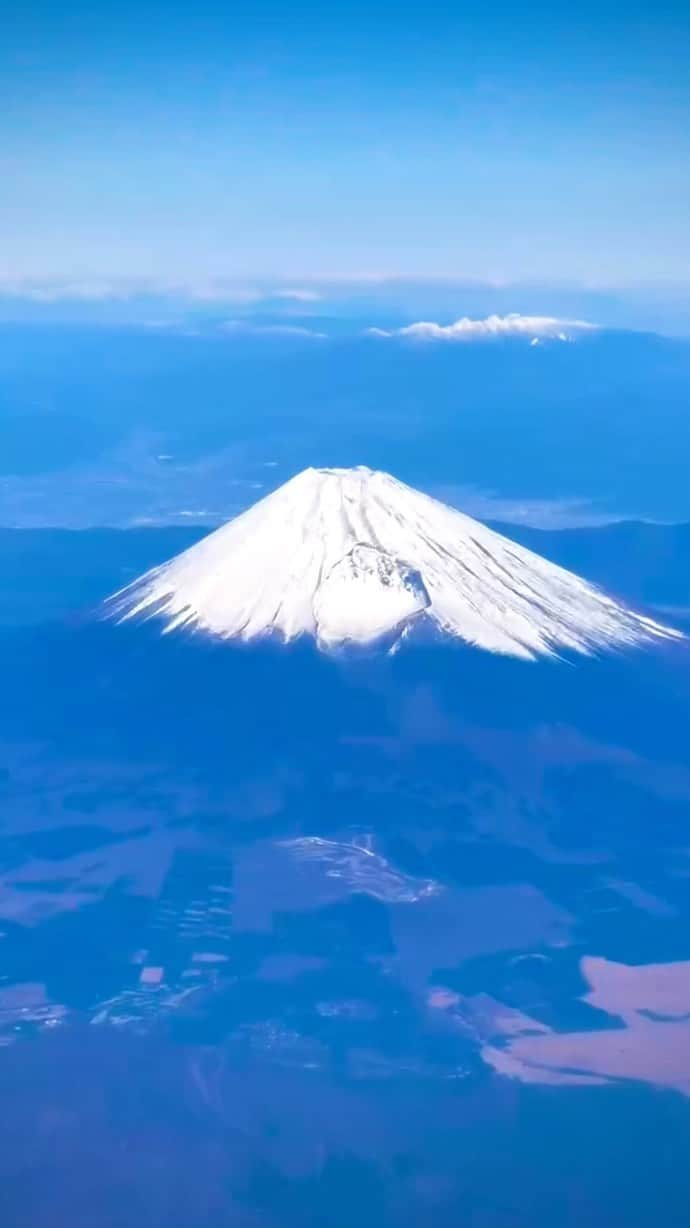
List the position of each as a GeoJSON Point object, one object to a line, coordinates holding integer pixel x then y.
{"type": "Point", "coordinates": [352, 555]}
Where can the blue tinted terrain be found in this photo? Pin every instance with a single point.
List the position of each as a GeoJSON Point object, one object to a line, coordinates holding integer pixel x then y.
{"type": "Point", "coordinates": [291, 940]}
{"type": "Point", "coordinates": [113, 426]}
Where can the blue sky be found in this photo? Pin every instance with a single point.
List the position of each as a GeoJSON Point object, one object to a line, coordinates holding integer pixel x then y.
{"type": "Point", "coordinates": [496, 142]}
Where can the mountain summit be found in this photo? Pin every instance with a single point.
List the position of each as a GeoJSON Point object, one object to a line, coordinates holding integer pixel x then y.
{"type": "Point", "coordinates": [353, 556]}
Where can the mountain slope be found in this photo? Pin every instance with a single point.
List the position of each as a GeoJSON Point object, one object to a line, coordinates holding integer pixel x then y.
{"type": "Point", "coordinates": [351, 555]}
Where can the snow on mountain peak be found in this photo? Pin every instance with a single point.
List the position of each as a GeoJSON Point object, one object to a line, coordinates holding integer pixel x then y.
{"type": "Point", "coordinates": [534, 328]}
{"type": "Point", "coordinates": [353, 555]}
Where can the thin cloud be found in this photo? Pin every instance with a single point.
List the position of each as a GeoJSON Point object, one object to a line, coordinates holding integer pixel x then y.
{"type": "Point", "coordinates": [213, 292]}
{"type": "Point", "coordinates": [299, 296]}
{"type": "Point", "coordinates": [512, 325]}
{"type": "Point", "coordinates": [272, 330]}
{"type": "Point", "coordinates": [563, 513]}
{"type": "Point", "coordinates": [97, 289]}
{"type": "Point", "coordinates": [55, 292]}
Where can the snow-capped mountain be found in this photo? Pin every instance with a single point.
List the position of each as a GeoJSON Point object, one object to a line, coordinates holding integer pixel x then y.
{"type": "Point", "coordinates": [353, 555]}
{"type": "Point", "coordinates": [534, 329]}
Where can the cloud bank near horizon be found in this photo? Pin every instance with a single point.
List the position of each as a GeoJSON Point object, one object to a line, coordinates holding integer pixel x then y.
{"type": "Point", "coordinates": [97, 290]}
{"type": "Point", "coordinates": [512, 325]}
{"type": "Point", "coordinates": [452, 309]}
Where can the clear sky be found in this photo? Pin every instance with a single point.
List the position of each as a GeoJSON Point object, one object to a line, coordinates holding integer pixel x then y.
{"type": "Point", "coordinates": [487, 140]}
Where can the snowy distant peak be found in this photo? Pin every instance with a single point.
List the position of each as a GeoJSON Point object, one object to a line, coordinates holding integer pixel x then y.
{"type": "Point", "coordinates": [353, 556]}
{"type": "Point", "coordinates": [533, 328]}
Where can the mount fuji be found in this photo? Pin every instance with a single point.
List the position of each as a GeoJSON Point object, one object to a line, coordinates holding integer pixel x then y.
{"type": "Point", "coordinates": [353, 556]}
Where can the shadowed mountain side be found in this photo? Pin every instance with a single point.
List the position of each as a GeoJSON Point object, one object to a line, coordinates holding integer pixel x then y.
{"type": "Point", "coordinates": [131, 686]}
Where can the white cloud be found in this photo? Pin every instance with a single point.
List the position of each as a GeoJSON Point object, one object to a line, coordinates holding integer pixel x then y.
{"type": "Point", "coordinates": [513, 325]}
